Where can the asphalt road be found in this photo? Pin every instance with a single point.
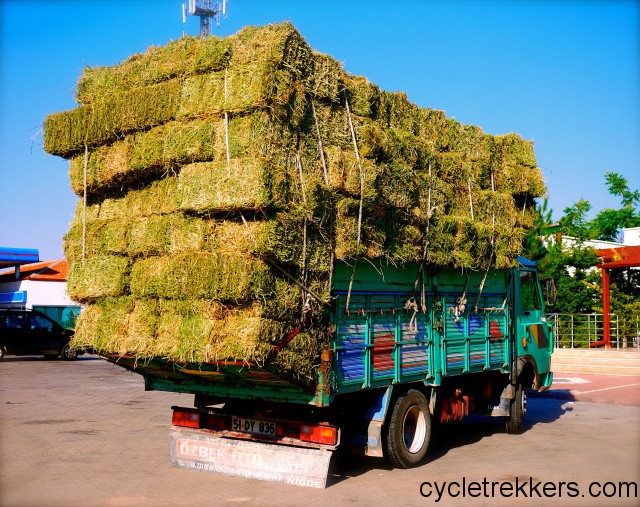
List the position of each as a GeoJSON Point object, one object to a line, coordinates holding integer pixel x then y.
{"type": "Point", "coordinates": [85, 433]}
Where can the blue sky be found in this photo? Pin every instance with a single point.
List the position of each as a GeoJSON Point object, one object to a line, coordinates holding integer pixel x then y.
{"type": "Point", "coordinates": [565, 74]}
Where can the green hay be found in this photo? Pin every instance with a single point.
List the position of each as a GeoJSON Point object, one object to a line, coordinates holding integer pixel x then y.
{"type": "Point", "coordinates": [363, 96]}
{"type": "Point", "coordinates": [515, 168]}
{"type": "Point", "coordinates": [226, 278]}
{"type": "Point", "coordinates": [146, 154]}
{"type": "Point", "coordinates": [165, 148]}
{"type": "Point", "coordinates": [103, 326]}
{"type": "Point", "coordinates": [323, 82]}
{"type": "Point", "coordinates": [279, 44]}
{"type": "Point", "coordinates": [397, 112]}
{"type": "Point", "coordinates": [280, 239]}
{"type": "Point", "coordinates": [194, 331]}
{"type": "Point", "coordinates": [104, 121]}
{"type": "Point", "coordinates": [214, 187]}
{"type": "Point", "coordinates": [103, 237]}
{"type": "Point", "coordinates": [159, 197]}
{"type": "Point", "coordinates": [171, 267]}
{"type": "Point", "coordinates": [273, 81]}
{"type": "Point", "coordinates": [98, 277]}
{"type": "Point", "coordinates": [239, 90]}
{"type": "Point", "coordinates": [247, 184]}
{"type": "Point", "coordinates": [186, 56]}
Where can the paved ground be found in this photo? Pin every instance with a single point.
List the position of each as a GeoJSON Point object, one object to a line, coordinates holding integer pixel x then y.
{"type": "Point", "coordinates": [85, 433]}
{"type": "Point", "coordinates": [594, 388]}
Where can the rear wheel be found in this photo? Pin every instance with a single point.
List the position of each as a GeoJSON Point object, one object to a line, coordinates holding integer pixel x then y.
{"type": "Point", "coordinates": [68, 353]}
{"type": "Point", "coordinates": [516, 411]}
{"type": "Point", "coordinates": [409, 430]}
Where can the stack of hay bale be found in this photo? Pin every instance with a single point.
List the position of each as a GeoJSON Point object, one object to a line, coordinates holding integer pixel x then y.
{"type": "Point", "coordinates": [220, 179]}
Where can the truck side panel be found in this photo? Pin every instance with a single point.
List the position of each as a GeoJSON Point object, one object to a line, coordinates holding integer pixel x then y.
{"type": "Point", "coordinates": [380, 343]}
{"type": "Point", "coordinates": [387, 333]}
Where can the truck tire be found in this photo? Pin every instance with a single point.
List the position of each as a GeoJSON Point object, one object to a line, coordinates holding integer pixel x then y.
{"type": "Point", "coordinates": [516, 410]}
{"type": "Point", "coordinates": [409, 430]}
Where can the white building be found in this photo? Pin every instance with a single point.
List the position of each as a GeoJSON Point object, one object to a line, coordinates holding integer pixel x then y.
{"type": "Point", "coordinates": [39, 286]}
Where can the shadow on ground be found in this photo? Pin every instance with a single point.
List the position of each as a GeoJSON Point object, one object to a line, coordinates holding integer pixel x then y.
{"type": "Point", "coordinates": [543, 408]}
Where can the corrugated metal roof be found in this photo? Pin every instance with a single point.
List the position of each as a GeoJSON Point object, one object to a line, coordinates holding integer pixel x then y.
{"type": "Point", "coordinates": [51, 271]}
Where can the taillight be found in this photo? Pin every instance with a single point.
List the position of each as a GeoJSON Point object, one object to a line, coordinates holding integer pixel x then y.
{"type": "Point", "coordinates": [185, 418]}
{"type": "Point", "coordinates": [318, 434]}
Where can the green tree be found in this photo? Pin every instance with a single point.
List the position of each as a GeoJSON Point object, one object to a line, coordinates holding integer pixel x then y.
{"type": "Point", "coordinates": [535, 242]}
{"type": "Point", "coordinates": [607, 223]}
{"type": "Point", "coordinates": [578, 283]}
{"type": "Point", "coordinates": [574, 222]}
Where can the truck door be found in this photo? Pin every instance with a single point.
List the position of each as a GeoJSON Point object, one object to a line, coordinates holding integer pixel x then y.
{"type": "Point", "coordinates": [533, 334]}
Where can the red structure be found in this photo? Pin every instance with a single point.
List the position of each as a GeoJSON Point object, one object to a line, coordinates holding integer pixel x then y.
{"type": "Point", "coordinates": [621, 257]}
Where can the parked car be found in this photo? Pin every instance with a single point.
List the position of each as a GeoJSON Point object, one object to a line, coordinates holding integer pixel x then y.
{"type": "Point", "coordinates": [28, 332]}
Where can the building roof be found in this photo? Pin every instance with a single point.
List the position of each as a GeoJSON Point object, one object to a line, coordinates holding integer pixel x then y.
{"type": "Point", "coordinates": [49, 271]}
{"type": "Point", "coordinates": [17, 256]}
{"type": "Point", "coordinates": [621, 257]}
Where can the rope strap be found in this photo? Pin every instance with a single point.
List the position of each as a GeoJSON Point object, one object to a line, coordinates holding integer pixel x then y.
{"type": "Point", "coordinates": [322, 159]}
{"type": "Point", "coordinates": [84, 202]}
{"type": "Point", "coordinates": [355, 147]}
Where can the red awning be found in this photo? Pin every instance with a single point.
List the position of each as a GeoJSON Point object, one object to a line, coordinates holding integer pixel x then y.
{"type": "Point", "coordinates": [620, 257]}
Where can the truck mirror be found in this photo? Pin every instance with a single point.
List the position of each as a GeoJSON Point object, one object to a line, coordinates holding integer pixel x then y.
{"type": "Point", "coordinates": [549, 289]}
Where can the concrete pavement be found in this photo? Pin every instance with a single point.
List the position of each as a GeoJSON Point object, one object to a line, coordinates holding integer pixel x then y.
{"type": "Point", "coordinates": [594, 388]}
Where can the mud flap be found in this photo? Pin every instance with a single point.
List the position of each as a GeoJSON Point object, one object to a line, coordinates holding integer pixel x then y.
{"type": "Point", "coordinates": [296, 466]}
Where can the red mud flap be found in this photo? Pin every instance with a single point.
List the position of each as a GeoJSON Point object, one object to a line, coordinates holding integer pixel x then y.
{"type": "Point", "coordinates": [244, 458]}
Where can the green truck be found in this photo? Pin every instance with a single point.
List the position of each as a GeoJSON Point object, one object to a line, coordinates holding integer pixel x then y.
{"type": "Point", "coordinates": [407, 348]}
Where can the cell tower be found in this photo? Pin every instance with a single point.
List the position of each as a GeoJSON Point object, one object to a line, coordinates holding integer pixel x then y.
{"type": "Point", "coordinates": [207, 11]}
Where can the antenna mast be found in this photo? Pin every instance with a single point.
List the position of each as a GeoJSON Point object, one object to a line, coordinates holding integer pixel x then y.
{"type": "Point", "coordinates": [206, 11]}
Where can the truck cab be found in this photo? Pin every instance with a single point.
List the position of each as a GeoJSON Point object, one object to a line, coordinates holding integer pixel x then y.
{"type": "Point", "coordinates": [534, 344]}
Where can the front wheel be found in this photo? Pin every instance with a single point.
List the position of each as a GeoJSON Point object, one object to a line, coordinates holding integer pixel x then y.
{"type": "Point", "coordinates": [516, 411]}
{"type": "Point", "coordinates": [409, 430]}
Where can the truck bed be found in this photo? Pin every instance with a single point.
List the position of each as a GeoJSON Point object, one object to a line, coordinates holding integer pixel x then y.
{"type": "Point", "coordinates": [379, 338]}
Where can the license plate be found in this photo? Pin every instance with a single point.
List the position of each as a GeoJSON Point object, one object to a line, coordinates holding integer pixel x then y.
{"type": "Point", "coordinates": [254, 426]}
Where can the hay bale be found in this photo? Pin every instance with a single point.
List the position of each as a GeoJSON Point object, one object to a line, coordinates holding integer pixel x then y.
{"type": "Point", "coordinates": [103, 121]}
{"type": "Point", "coordinates": [226, 278]}
{"type": "Point", "coordinates": [193, 331]}
{"type": "Point", "coordinates": [161, 150]}
{"type": "Point", "coordinates": [158, 197]}
{"type": "Point", "coordinates": [279, 44]}
{"type": "Point", "coordinates": [213, 187]}
{"type": "Point", "coordinates": [515, 169]}
{"type": "Point", "coordinates": [101, 238]}
{"type": "Point", "coordinates": [183, 57]}
{"type": "Point", "coordinates": [273, 81]}
{"type": "Point", "coordinates": [98, 277]}
{"type": "Point", "coordinates": [103, 325]}
{"type": "Point", "coordinates": [247, 184]}
{"type": "Point", "coordinates": [323, 81]}
{"type": "Point", "coordinates": [146, 155]}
